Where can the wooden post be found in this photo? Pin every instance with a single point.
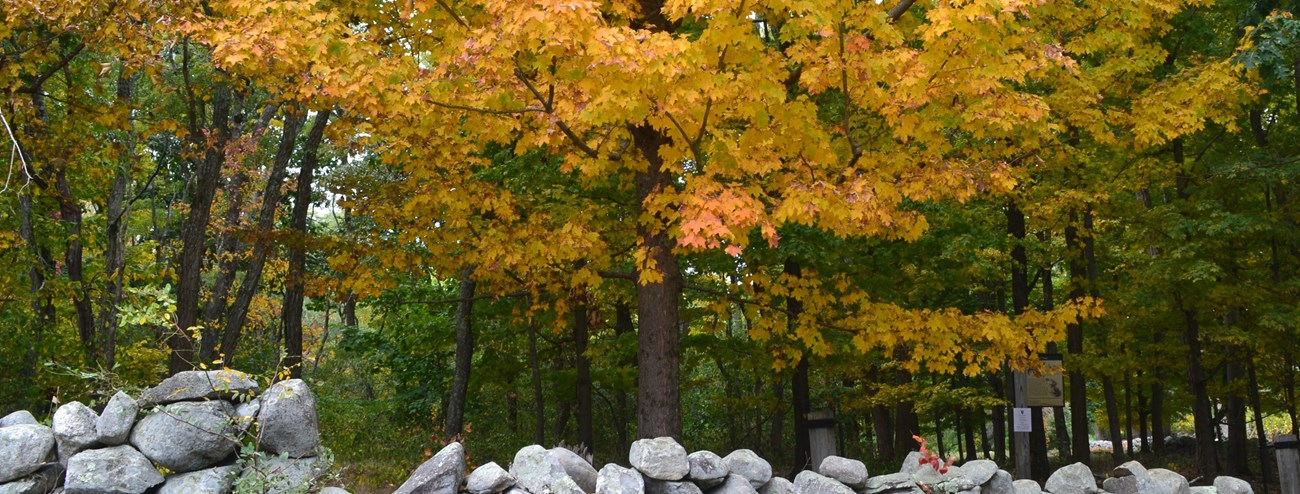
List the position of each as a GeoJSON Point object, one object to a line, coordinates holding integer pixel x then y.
{"type": "Point", "coordinates": [821, 436]}
{"type": "Point", "coordinates": [1288, 463]}
{"type": "Point", "coordinates": [1021, 439]}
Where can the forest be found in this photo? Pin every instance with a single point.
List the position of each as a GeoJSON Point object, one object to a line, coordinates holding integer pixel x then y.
{"type": "Point", "coordinates": [591, 221]}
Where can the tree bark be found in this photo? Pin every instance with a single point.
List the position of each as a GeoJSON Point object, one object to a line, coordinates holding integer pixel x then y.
{"type": "Point", "coordinates": [623, 325]}
{"type": "Point", "coordinates": [194, 232]}
{"type": "Point", "coordinates": [455, 415]}
{"type": "Point", "coordinates": [800, 392]}
{"type": "Point", "coordinates": [294, 280]}
{"type": "Point", "coordinates": [248, 286]}
{"type": "Point", "coordinates": [1207, 461]}
{"type": "Point", "coordinates": [659, 290]}
{"type": "Point", "coordinates": [581, 329]}
{"type": "Point", "coordinates": [1112, 419]}
{"type": "Point", "coordinates": [1074, 344]}
{"type": "Point", "coordinates": [535, 370]}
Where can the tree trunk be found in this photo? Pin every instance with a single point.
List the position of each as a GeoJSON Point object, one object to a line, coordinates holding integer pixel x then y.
{"type": "Point", "coordinates": [1128, 415]}
{"type": "Point", "coordinates": [194, 232]}
{"type": "Point", "coordinates": [293, 282]}
{"type": "Point", "coordinates": [252, 279]}
{"type": "Point", "coordinates": [1260, 434]}
{"type": "Point", "coordinates": [464, 319]}
{"type": "Point", "coordinates": [117, 215]}
{"type": "Point", "coordinates": [1143, 416]}
{"type": "Point", "coordinates": [906, 423]}
{"type": "Point", "coordinates": [622, 326]}
{"type": "Point", "coordinates": [1238, 444]}
{"type": "Point", "coordinates": [801, 392]}
{"type": "Point", "coordinates": [1074, 343]}
{"type": "Point", "coordinates": [999, 421]}
{"type": "Point", "coordinates": [581, 325]}
{"type": "Point", "coordinates": [658, 290]}
{"type": "Point", "coordinates": [883, 430]}
{"type": "Point", "coordinates": [1207, 461]}
{"type": "Point", "coordinates": [535, 371]}
{"type": "Point", "coordinates": [1112, 419]}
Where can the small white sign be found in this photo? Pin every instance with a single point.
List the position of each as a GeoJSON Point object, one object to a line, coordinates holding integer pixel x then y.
{"type": "Point", "coordinates": [1022, 421]}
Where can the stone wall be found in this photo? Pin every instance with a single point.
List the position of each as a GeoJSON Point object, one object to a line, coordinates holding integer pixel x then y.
{"type": "Point", "coordinates": [185, 436]}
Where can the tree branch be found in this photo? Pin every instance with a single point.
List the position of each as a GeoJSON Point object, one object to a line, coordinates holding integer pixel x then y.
{"type": "Point", "coordinates": [546, 104]}
{"type": "Point", "coordinates": [899, 10]}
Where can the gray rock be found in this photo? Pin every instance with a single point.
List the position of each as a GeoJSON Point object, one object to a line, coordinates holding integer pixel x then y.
{"type": "Point", "coordinates": [852, 473]}
{"type": "Point", "coordinates": [217, 480]}
{"type": "Point", "coordinates": [246, 414]}
{"type": "Point", "coordinates": [276, 475]}
{"type": "Point", "coordinates": [441, 474]}
{"type": "Point", "coordinates": [810, 482]}
{"type": "Point", "coordinates": [41, 481]}
{"type": "Point", "coordinates": [1131, 469]}
{"type": "Point", "coordinates": [1164, 481]}
{"type": "Point", "coordinates": [287, 421]}
{"type": "Point", "coordinates": [578, 468]}
{"type": "Point", "coordinates": [186, 436]}
{"type": "Point", "coordinates": [114, 424]}
{"type": "Point", "coordinates": [735, 484]}
{"type": "Point", "coordinates": [333, 490]}
{"type": "Point", "coordinates": [957, 483]}
{"type": "Point", "coordinates": [894, 482]}
{"type": "Point", "coordinates": [1026, 486]}
{"type": "Point", "coordinates": [654, 486]}
{"type": "Point", "coordinates": [999, 483]}
{"type": "Point", "coordinates": [660, 458]}
{"type": "Point", "coordinates": [115, 470]}
{"type": "Point", "coordinates": [74, 429]}
{"type": "Point", "coordinates": [199, 385]}
{"type": "Point", "coordinates": [1232, 485]}
{"type": "Point", "coordinates": [613, 479]}
{"type": "Point", "coordinates": [778, 485]}
{"type": "Point", "coordinates": [1071, 479]}
{"type": "Point", "coordinates": [912, 463]}
{"type": "Point", "coordinates": [707, 469]}
{"type": "Point", "coordinates": [1204, 489]}
{"type": "Point", "coordinates": [24, 449]}
{"type": "Point", "coordinates": [748, 464]}
{"type": "Point", "coordinates": [1121, 485]}
{"type": "Point", "coordinates": [538, 471]}
{"type": "Point", "coordinates": [20, 417]}
{"type": "Point", "coordinates": [489, 479]}
{"type": "Point", "coordinates": [979, 471]}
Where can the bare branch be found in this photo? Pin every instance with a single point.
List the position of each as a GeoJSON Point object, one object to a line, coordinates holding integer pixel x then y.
{"type": "Point", "coordinates": [899, 10]}
{"type": "Point", "coordinates": [490, 111]}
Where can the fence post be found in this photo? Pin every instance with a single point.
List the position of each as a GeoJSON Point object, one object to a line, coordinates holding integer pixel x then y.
{"type": "Point", "coordinates": [1288, 463]}
{"type": "Point", "coordinates": [821, 436]}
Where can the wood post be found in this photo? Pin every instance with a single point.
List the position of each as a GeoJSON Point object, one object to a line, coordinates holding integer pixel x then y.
{"type": "Point", "coordinates": [1288, 463]}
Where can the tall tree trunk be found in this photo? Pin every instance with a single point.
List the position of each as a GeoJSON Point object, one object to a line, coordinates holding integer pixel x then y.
{"type": "Point", "coordinates": [1260, 434]}
{"type": "Point", "coordinates": [1143, 415]}
{"type": "Point", "coordinates": [194, 232]}
{"type": "Point", "coordinates": [906, 423]}
{"type": "Point", "coordinates": [464, 319]}
{"type": "Point", "coordinates": [535, 371]}
{"type": "Point", "coordinates": [293, 282]}
{"type": "Point", "coordinates": [1019, 304]}
{"type": "Point", "coordinates": [999, 421]}
{"type": "Point", "coordinates": [1112, 419]}
{"type": "Point", "coordinates": [1074, 344]}
{"type": "Point", "coordinates": [1128, 415]}
{"type": "Point", "coordinates": [622, 326]}
{"type": "Point", "coordinates": [117, 215]}
{"type": "Point", "coordinates": [226, 246]}
{"type": "Point", "coordinates": [1059, 420]}
{"type": "Point", "coordinates": [801, 392]}
{"type": "Point", "coordinates": [1207, 461]}
{"type": "Point", "coordinates": [237, 315]}
{"type": "Point", "coordinates": [1238, 444]}
{"type": "Point", "coordinates": [581, 326]}
{"type": "Point", "coordinates": [882, 428]}
{"type": "Point", "coordinates": [658, 290]}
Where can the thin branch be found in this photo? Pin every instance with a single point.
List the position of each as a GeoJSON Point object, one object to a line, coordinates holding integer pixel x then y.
{"type": "Point", "coordinates": [695, 150]}
{"type": "Point", "coordinates": [36, 83]}
{"type": "Point", "coordinates": [546, 104]}
{"type": "Point", "coordinates": [899, 10]}
{"type": "Point", "coordinates": [454, 15]}
{"type": "Point", "coordinates": [489, 111]}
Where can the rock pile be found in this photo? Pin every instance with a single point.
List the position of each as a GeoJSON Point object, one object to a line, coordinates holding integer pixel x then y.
{"type": "Point", "coordinates": [185, 440]}
{"type": "Point", "coordinates": [662, 466]}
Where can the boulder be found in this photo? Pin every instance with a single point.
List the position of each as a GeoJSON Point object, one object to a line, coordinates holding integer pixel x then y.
{"type": "Point", "coordinates": [778, 485]}
{"type": "Point", "coordinates": [577, 467]}
{"type": "Point", "coordinates": [1162, 481]}
{"type": "Point", "coordinates": [654, 486]}
{"type": "Point", "coordinates": [1232, 485]}
{"type": "Point", "coordinates": [1071, 479]}
{"type": "Point", "coordinates": [1204, 489]}
{"type": "Point", "coordinates": [333, 490]}
{"type": "Point", "coordinates": [74, 429]}
{"type": "Point", "coordinates": [1121, 485]}
{"type": "Point", "coordinates": [199, 385]}
{"type": "Point", "coordinates": [852, 473]}
{"type": "Point", "coordinates": [277, 475]}
{"type": "Point", "coordinates": [1026, 486]}
{"type": "Point", "coordinates": [115, 470]}
{"type": "Point", "coordinates": [538, 471]}
{"type": "Point", "coordinates": [810, 482]}
{"type": "Point", "coordinates": [489, 479]}
{"type": "Point", "coordinates": [20, 417]}
{"type": "Point", "coordinates": [707, 469]}
{"type": "Point", "coordinates": [441, 474]}
{"type": "Point", "coordinates": [894, 482]}
{"type": "Point", "coordinates": [42, 481]}
{"type": "Point", "coordinates": [735, 484]}
{"type": "Point", "coordinates": [912, 463]}
{"type": "Point", "coordinates": [287, 421]}
{"type": "Point", "coordinates": [999, 483]}
{"type": "Point", "coordinates": [187, 436]}
{"type": "Point", "coordinates": [979, 471]}
{"type": "Point", "coordinates": [748, 464]}
{"type": "Point", "coordinates": [217, 480]}
{"type": "Point", "coordinates": [23, 450]}
{"type": "Point", "coordinates": [114, 425]}
{"type": "Point", "coordinates": [660, 458]}
{"type": "Point", "coordinates": [613, 479]}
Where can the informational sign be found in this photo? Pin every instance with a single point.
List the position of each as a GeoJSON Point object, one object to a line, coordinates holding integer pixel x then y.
{"type": "Point", "coordinates": [1021, 420]}
{"type": "Point", "coordinates": [1048, 389]}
